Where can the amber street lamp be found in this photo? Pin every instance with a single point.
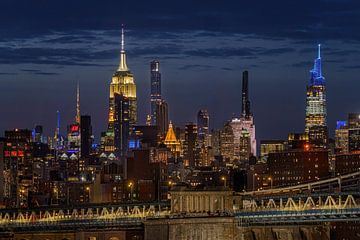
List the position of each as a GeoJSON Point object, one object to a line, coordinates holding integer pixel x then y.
{"type": "Point", "coordinates": [271, 182]}
{"type": "Point", "coordinates": [131, 186]}
{"type": "Point", "coordinates": [223, 178]}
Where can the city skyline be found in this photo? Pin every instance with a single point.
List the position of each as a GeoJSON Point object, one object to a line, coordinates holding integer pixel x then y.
{"type": "Point", "coordinates": [185, 65]}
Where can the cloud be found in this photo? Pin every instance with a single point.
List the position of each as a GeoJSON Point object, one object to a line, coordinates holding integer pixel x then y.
{"type": "Point", "coordinates": [298, 20]}
{"type": "Point", "coordinates": [39, 72]}
{"type": "Point", "coordinates": [302, 64]}
{"type": "Point", "coordinates": [221, 52]}
{"type": "Point", "coordinates": [8, 73]}
{"type": "Point", "coordinates": [54, 56]}
{"type": "Point", "coordinates": [351, 66]}
{"type": "Point", "coordinates": [195, 66]}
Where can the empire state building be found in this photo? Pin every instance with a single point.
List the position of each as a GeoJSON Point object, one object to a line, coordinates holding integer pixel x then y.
{"type": "Point", "coordinates": [122, 107]}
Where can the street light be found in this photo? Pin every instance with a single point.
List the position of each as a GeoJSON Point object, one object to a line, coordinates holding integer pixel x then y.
{"type": "Point", "coordinates": [254, 175]}
{"type": "Point", "coordinates": [223, 178]}
{"type": "Point", "coordinates": [88, 189]}
{"type": "Point", "coordinates": [271, 182]}
{"type": "Point", "coordinates": [131, 186]}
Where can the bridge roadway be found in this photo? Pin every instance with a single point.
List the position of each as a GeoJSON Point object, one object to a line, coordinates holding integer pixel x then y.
{"type": "Point", "coordinates": [101, 216]}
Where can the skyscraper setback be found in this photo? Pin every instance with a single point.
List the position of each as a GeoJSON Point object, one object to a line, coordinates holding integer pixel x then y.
{"type": "Point", "coordinates": [122, 106]}
{"type": "Point", "coordinates": [315, 120]}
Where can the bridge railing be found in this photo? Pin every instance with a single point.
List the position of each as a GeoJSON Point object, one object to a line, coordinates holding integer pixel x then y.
{"type": "Point", "coordinates": [105, 213]}
{"type": "Point", "coordinates": [300, 204]}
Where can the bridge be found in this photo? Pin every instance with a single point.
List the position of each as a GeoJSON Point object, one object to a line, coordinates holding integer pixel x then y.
{"type": "Point", "coordinates": [331, 200]}
{"type": "Point", "coordinates": [120, 216]}
{"type": "Point", "coordinates": [203, 214]}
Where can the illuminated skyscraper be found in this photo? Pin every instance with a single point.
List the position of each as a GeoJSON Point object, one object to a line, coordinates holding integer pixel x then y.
{"type": "Point", "coordinates": [341, 137]}
{"type": "Point", "coordinates": [315, 120]}
{"type": "Point", "coordinates": [74, 138]}
{"type": "Point", "coordinates": [122, 84]}
{"type": "Point", "coordinates": [227, 143]}
{"type": "Point", "coordinates": [155, 88]}
{"type": "Point", "coordinates": [354, 132]}
{"type": "Point", "coordinates": [172, 142]}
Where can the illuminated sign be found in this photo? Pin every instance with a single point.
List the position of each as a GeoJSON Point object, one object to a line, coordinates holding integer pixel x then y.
{"type": "Point", "coordinates": [74, 128]}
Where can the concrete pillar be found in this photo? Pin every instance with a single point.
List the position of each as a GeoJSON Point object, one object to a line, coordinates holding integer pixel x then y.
{"type": "Point", "coordinates": [181, 203]}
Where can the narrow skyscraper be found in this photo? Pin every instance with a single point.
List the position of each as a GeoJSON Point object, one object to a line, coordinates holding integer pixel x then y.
{"type": "Point", "coordinates": [74, 138]}
{"type": "Point", "coordinates": [245, 106]}
{"type": "Point", "coordinates": [203, 127]}
{"type": "Point", "coordinates": [246, 121]}
{"type": "Point", "coordinates": [155, 88]}
{"type": "Point", "coordinates": [315, 120]}
{"type": "Point", "coordinates": [77, 118]}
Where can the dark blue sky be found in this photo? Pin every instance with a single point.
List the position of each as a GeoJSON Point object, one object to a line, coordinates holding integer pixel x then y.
{"type": "Point", "coordinates": [203, 46]}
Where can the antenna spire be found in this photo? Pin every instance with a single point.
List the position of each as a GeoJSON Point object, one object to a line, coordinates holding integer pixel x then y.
{"type": "Point", "coordinates": [319, 51]}
{"type": "Point", "coordinates": [122, 38]}
{"type": "Point", "coordinates": [77, 118]}
{"type": "Point", "coordinates": [122, 65]}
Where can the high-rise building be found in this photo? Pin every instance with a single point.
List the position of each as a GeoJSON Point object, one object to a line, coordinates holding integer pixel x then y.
{"type": "Point", "coordinates": [245, 105]}
{"type": "Point", "coordinates": [86, 135]}
{"type": "Point", "coordinates": [74, 138]}
{"type": "Point", "coordinates": [155, 88]}
{"type": "Point", "coordinates": [159, 107]}
{"type": "Point", "coordinates": [215, 142]}
{"type": "Point", "coordinates": [18, 167]}
{"type": "Point", "coordinates": [38, 134]}
{"type": "Point", "coordinates": [341, 137]}
{"type": "Point", "coordinates": [122, 106]}
{"type": "Point", "coordinates": [246, 120]}
{"type": "Point", "coordinates": [244, 146]}
{"type": "Point", "coordinates": [297, 140]}
{"type": "Point", "coordinates": [227, 143]}
{"type": "Point", "coordinates": [354, 132]}
{"type": "Point", "coordinates": [191, 148]}
{"type": "Point", "coordinates": [2, 179]}
{"type": "Point", "coordinates": [315, 120]}
{"type": "Point", "coordinates": [121, 124]}
{"type": "Point", "coordinates": [162, 116]}
{"type": "Point", "coordinates": [172, 142]}
{"type": "Point", "coordinates": [203, 127]}
{"type": "Point", "coordinates": [269, 146]}
{"type": "Point", "coordinates": [297, 166]}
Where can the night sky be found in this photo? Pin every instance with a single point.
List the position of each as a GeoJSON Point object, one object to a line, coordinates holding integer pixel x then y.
{"type": "Point", "coordinates": [203, 47]}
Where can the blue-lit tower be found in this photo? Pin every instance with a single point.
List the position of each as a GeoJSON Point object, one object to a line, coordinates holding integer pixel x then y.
{"type": "Point", "coordinates": [315, 120]}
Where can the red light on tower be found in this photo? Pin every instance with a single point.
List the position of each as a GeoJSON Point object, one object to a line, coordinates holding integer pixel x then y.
{"type": "Point", "coordinates": [307, 147]}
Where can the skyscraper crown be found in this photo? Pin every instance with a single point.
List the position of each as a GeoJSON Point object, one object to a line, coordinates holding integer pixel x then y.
{"type": "Point", "coordinates": [316, 77]}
